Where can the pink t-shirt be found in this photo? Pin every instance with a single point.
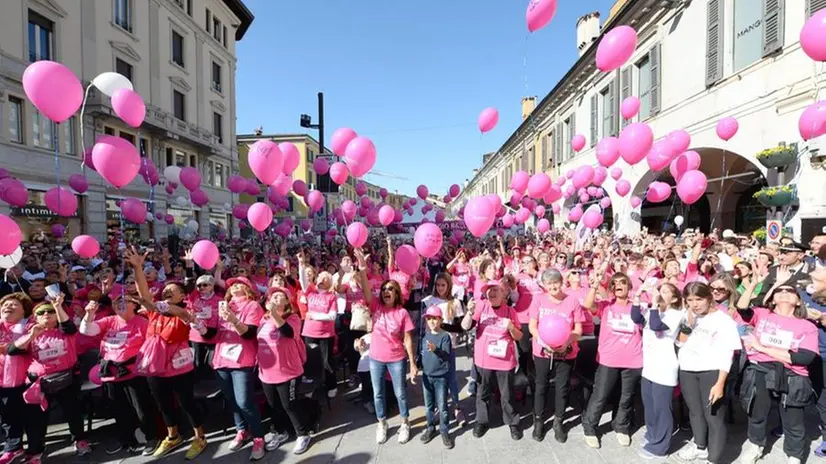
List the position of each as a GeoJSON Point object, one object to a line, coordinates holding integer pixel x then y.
{"type": "Point", "coordinates": [231, 350]}
{"type": "Point", "coordinates": [13, 367]}
{"type": "Point", "coordinates": [122, 341]}
{"type": "Point", "coordinates": [620, 339]}
{"type": "Point", "coordinates": [570, 309]}
{"type": "Point", "coordinates": [580, 293]}
{"type": "Point", "coordinates": [206, 311]}
{"type": "Point", "coordinates": [403, 281]}
{"type": "Point", "coordinates": [52, 351]}
{"type": "Point", "coordinates": [785, 333]}
{"type": "Point", "coordinates": [494, 349]}
{"type": "Point", "coordinates": [280, 358]}
{"type": "Point", "coordinates": [375, 284]}
{"type": "Point", "coordinates": [320, 303]}
{"type": "Point", "coordinates": [528, 288]}
{"type": "Point", "coordinates": [389, 327]}
{"type": "Point", "coordinates": [461, 275]}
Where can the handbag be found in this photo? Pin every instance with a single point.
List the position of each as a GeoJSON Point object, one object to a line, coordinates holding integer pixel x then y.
{"type": "Point", "coordinates": [360, 318]}
{"type": "Point", "coordinates": [53, 383]}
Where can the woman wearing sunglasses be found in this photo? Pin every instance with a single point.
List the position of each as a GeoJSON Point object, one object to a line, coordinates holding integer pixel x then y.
{"type": "Point", "coordinates": [320, 323]}
{"type": "Point", "coordinates": [15, 310]}
{"type": "Point", "coordinates": [204, 303]}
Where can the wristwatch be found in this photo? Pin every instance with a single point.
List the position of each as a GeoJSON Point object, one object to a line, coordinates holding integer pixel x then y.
{"type": "Point", "coordinates": [684, 329]}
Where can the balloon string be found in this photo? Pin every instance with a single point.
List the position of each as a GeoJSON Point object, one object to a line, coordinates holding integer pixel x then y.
{"type": "Point", "coordinates": [122, 245]}
{"type": "Point", "coordinates": [720, 198]}
{"type": "Point", "coordinates": [55, 142]}
{"type": "Point", "coordinates": [82, 138]}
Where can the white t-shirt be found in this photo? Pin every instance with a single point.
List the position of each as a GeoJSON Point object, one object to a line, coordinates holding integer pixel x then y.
{"type": "Point", "coordinates": [659, 356]}
{"type": "Point", "coordinates": [711, 344]}
{"type": "Point", "coordinates": [458, 311]}
{"type": "Point", "coordinates": [364, 360]}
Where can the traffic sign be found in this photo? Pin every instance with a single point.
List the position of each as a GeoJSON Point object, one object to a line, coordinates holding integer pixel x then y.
{"type": "Point", "coordinates": [774, 230]}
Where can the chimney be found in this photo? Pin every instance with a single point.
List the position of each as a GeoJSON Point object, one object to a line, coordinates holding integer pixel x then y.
{"type": "Point", "coordinates": [528, 105]}
{"type": "Point", "coordinates": [587, 31]}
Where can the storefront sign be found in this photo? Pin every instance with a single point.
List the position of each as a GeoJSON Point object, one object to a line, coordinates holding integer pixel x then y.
{"type": "Point", "coordinates": [36, 208]}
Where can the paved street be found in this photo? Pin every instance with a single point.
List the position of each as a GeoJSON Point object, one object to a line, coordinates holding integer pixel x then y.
{"type": "Point", "coordinates": [347, 436]}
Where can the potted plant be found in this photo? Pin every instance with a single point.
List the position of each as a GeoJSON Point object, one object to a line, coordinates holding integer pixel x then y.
{"type": "Point", "coordinates": [778, 157]}
{"type": "Point", "coordinates": [760, 234]}
{"type": "Point", "coordinates": [776, 196]}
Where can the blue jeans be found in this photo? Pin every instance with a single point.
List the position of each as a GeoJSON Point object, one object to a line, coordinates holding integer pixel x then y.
{"type": "Point", "coordinates": [435, 396]}
{"type": "Point", "coordinates": [452, 381]}
{"type": "Point", "coordinates": [238, 388]}
{"type": "Point", "coordinates": [398, 370]}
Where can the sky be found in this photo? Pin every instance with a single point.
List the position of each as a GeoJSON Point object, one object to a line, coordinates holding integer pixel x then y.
{"type": "Point", "coordinates": [413, 76]}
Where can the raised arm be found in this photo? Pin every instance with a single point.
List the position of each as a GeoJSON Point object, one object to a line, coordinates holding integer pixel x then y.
{"type": "Point", "coordinates": [391, 260]}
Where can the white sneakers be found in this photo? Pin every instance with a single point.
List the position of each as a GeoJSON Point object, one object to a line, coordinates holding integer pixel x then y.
{"type": "Point", "coordinates": [332, 393]}
{"type": "Point", "coordinates": [404, 433]}
{"type": "Point", "coordinates": [690, 452]}
{"type": "Point", "coordinates": [623, 439]}
{"type": "Point", "coordinates": [592, 441]}
{"type": "Point", "coordinates": [381, 432]}
{"type": "Point", "coordinates": [750, 453]}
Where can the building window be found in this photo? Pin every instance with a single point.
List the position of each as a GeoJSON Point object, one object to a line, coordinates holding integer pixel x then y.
{"type": "Point", "coordinates": [216, 28]}
{"type": "Point", "coordinates": [224, 41]}
{"type": "Point", "coordinates": [42, 130]}
{"type": "Point", "coordinates": [220, 172]}
{"type": "Point", "coordinates": [180, 159]}
{"type": "Point", "coordinates": [644, 87]}
{"type": "Point", "coordinates": [209, 172]}
{"type": "Point", "coordinates": [185, 5]}
{"type": "Point", "coordinates": [123, 13]}
{"type": "Point", "coordinates": [208, 21]}
{"type": "Point", "coordinates": [310, 156]}
{"type": "Point", "coordinates": [41, 37]}
{"type": "Point", "coordinates": [123, 68]}
{"type": "Point", "coordinates": [69, 135]}
{"type": "Point", "coordinates": [566, 129]}
{"type": "Point", "coordinates": [179, 105]}
{"type": "Point", "coordinates": [128, 137]}
{"type": "Point", "coordinates": [108, 130]}
{"type": "Point", "coordinates": [189, 7]}
{"type": "Point", "coordinates": [177, 49]}
{"type": "Point", "coordinates": [15, 119]}
{"type": "Point", "coordinates": [218, 126]}
{"type": "Point", "coordinates": [216, 76]}
{"type": "Point", "coordinates": [607, 112]}
{"type": "Point", "coordinates": [748, 33]}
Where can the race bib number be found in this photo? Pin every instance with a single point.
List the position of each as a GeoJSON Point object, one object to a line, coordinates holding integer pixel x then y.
{"type": "Point", "coordinates": [498, 349]}
{"type": "Point", "coordinates": [54, 350]}
{"type": "Point", "coordinates": [182, 358]}
{"type": "Point", "coordinates": [231, 352]}
{"type": "Point", "coordinates": [116, 340]}
{"type": "Point", "coordinates": [204, 313]}
{"type": "Point", "coordinates": [779, 339]}
{"type": "Point", "coordinates": [623, 324]}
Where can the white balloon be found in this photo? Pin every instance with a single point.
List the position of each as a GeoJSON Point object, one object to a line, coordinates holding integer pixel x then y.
{"type": "Point", "coordinates": [172, 174]}
{"type": "Point", "coordinates": [109, 82]}
{"type": "Point", "coordinates": [150, 217]}
{"type": "Point", "coordinates": [181, 201]}
{"type": "Point", "coordinates": [227, 206]}
{"type": "Point", "coordinates": [9, 261]}
{"type": "Point", "coordinates": [678, 220]}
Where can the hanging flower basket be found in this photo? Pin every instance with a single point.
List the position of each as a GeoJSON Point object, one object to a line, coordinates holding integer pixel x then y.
{"type": "Point", "coordinates": [776, 196]}
{"type": "Point", "coordinates": [777, 157]}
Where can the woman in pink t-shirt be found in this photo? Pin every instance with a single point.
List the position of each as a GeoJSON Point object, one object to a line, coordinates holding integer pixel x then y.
{"type": "Point", "coordinates": [234, 360]}
{"type": "Point", "coordinates": [391, 343]}
{"type": "Point", "coordinates": [781, 347]}
{"type": "Point", "coordinates": [460, 272]}
{"type": "Point", "coordinates": [281, 356]}
{"type": "Point", "coordinates": [557, 360]}
{"type": "Point", "coordinates": [122, 337]}
{"type": "Point", "coordinates": [204, 302]}
{"type": "Point", "coordinates": [494, 354]}
{"type": "Point", "coordinates": [320, 322]}
{"type": "Point", "coordinates": [15, 310]}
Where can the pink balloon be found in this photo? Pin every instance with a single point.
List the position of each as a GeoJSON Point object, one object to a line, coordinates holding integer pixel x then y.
{"type": "Point", "coordinates": [658, 192]}
{"type": "Point", "coordinates": [543, 225]}
{"type": "Point", "coordinates": [360, 156]}
{"type": "Point", "coordinates": [300, 188]}
{"type": "Point", "coordinates": [407, 259]}
{"type": "Point", "coordinates": [236, 183]}
{"type": "Point", "coordinates": [428, 240]}
{"type": "Point", "coordinates": [507, 220]}
{"type": "Point", "coordinates": [538, 185]}
{"type": "Point", "coordinates": [169, 219]}
{"type": "Point", "coordinates": [592, 191]}
{"type": "Point", "coordinates": [630, 107]}
{"type": "Point", "coordinates": [635, 141]}
{"type": "Point", "coordinates": [315, 200]}
{"type": "Point", "coordinates": [692, 186]}
{"type": "Point", "coordinates": [291, 157]}
{"type": "Point", "coordinates": [560, 181]}
{"type": "Point", "coordinates": [440, 217]}
{"type": "Point", "coordinates": [575, 214]}
{"type": "Point", "coordinates": [592, 218]}
{"type": "Point", "coordinates": [342, 137]}
{"type": "Point", "coordinates": [660, 155]}
{"type": "Point", "coordinates": [479, 216]}
{"type": "Point", "coordinates": [266, 161]}
{"type": "Point", "coordinates": [812, 122]}
{"type": "Point", "coordinates": [488, 119]}
{"type": "Point", "coordinates": [190, 178]}
{"type": "Point", "coordinates": [608, 151]}
{"type": "Point", "coordinates": [306, 225]}
{"type": "Point", "coordinates": [386, 215]}
{"type": "Point", "coordinates": [84, 246]}
{"type": "Point", "coordinates": [282, 184]}
{"type": "Point", "coordinates": [635, 201]}
{"type": "Point", "coordinates": [240, 210]}
{"type": "Point", "coordinates": [570, 173]}
{"type": "Point", "coordinates": [688, 161]}
{"type": "Point", "coordinates": [605, 202]}
{"type": "Point", "coordinates": [129, 106]}
{"type": "Point", "coordinates": [539, 14]}
{"type": "Point", "coordinates": [133, 210]}
{"type": "Point", "coordinates": [554, 194]}
{"type": "Point", "coordinates": [58, 230]}
{"type": "Point", "coordinates": [554, 330]}
{"type": "Point", "coordinates": [78, 183]}
{"type": "Point", "coordinates": [615, 48]}
{"type": "Point", "coordinates": [680, 140]}
{"type": "Point", "coordinates": [539, 211]}
{"type": "Point", "coordinates": [584, 197]}
{"type": "Point", "coordinates": [321, 166]}
{"type": "Point", "coordinates": [348, 209]}
{"type": "Point", "coordinates": [583, 176]}
{"type": "Point", "coordinates": [813, 36]}
{"type": "Point", "coordinates": [10, 235]}
{"type": "Point", "coordinates": [87, 159]}
{"type": "Point", "coordinates": [421, 192]}
{"type": "Point", "coordinates": [205, 254]}
{"type": "Point", "coordinates": [578, 142]}
{"type": "Point", "coordinates": [53, 89]}
{"type": "Point", "coordinates": [519, 181]}
{"type": "Point", "coordinates": [259, 216]}
{"type": "Point", "coordinates": [383, 193]}
{"type": "Point", "coordinates": [623, 187]}
{"type": "Point", "coordinates": [727, 127]}
{"type": "Point", "coordinates": [454, 190]}
{"type": "Point", "coordinates": [252, 187]}
{"type": "Point", "coordinates": [357, 234]}
{"type": "Point", "coordinates": [116, 160]}
{"type": "Point", "coordinates": [397, 216]}
{"type": "Point", "coordinates": [61, 201]}
{"type": "Point", "coordinates": [13, 192]}
{"type": "Point", "coordinates": [522, 215]}
{"type": "Point", "coordinates": [556, 208]}
{"type": "Point", "coordinates": [339, 172]}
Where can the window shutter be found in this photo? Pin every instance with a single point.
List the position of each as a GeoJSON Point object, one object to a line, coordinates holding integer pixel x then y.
{"type": "Point", "coordinates": [571, 134]}
{"type": "Point", "coordinates": [714, 42]}
{"type": "Point", "coordinates": [594, 119]}
{"type": "Point", "coordinates": [813, 6]}
{"type": "Point", "coordinates": [558, 145]}
{"type": "Point", "coordinates": [614, 105]}
{"type": "Point", "coordinates": [544, 153]}
{"type": "Point", "coordinates": [773, 30]}
{"type": "Point", "coordinates": [654, 56]}
{"type": "Point", "coordinates": [625, 90]}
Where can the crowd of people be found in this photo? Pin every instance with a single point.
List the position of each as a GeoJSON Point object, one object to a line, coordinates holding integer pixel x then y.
{"type": "Point", "coordinates": [714, 323]}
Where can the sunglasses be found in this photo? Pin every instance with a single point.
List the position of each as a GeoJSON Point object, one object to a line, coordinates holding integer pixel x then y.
{"type": "Point", "coordinates": [573, 271]}
{"type": "Point", "coordinates": [719, 289]}
{"type": "Point", "coordinates": [388, 289]}
{"type": "Point", "coordinates": [786, 290]}
{"type": "Point", "coordinates": [42, 312]}
{"type": "Point", "coordinates": [204, 285]}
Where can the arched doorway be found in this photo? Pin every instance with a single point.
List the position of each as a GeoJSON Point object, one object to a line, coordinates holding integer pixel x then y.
{"type": "Point", "coordinates": [751, 215]}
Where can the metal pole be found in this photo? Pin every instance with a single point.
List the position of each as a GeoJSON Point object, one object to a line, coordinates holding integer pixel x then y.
{"type": "Point", "coordinates": [321, 122]}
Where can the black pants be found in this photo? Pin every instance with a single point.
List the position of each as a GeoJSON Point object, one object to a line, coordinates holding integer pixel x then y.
{"type": "Point", "coordinates": [525, 352]}
{"type": "Point", "coordinates": [792, 419]}
{"type": "Point", "coordinates": [203, 359]}
{"type": "Point", "coordinates": [708, 424]}
{"type": "Point", "coordinates": [165, 389]}
{"type": "Point", "coordinates": [561, 370]}
{"type": "Point", "coordinates": [604, 382]}
{"type": "Point", "coordinates": [484, 393]}
{"type": "Point", "coordinates": [659, 421]}
{"type": "Point", "coordinates": [366, 394]}
{"type": "Point", "coordinates": [13, 412]}
{"type": "Point", "coordinates": [132, 405]}
{"type": "Point", "coordinates": [325, 351]}
{"type": "Point", "coordinates": [817, 373]}
{"type": "Point", "coordinates": [285, 407]}
{"type": "Point", "coordinates": [68, 400]}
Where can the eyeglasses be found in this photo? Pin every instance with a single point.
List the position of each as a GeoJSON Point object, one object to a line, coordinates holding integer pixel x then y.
{"type": "Point", "coordinates": [204, 285]}
{"type": "Point", "coordinates": [42, 312]}
{"type": "Point", "coordinates": [719, 289]}
{"type": "Point", "coordinates": [786, 290]}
